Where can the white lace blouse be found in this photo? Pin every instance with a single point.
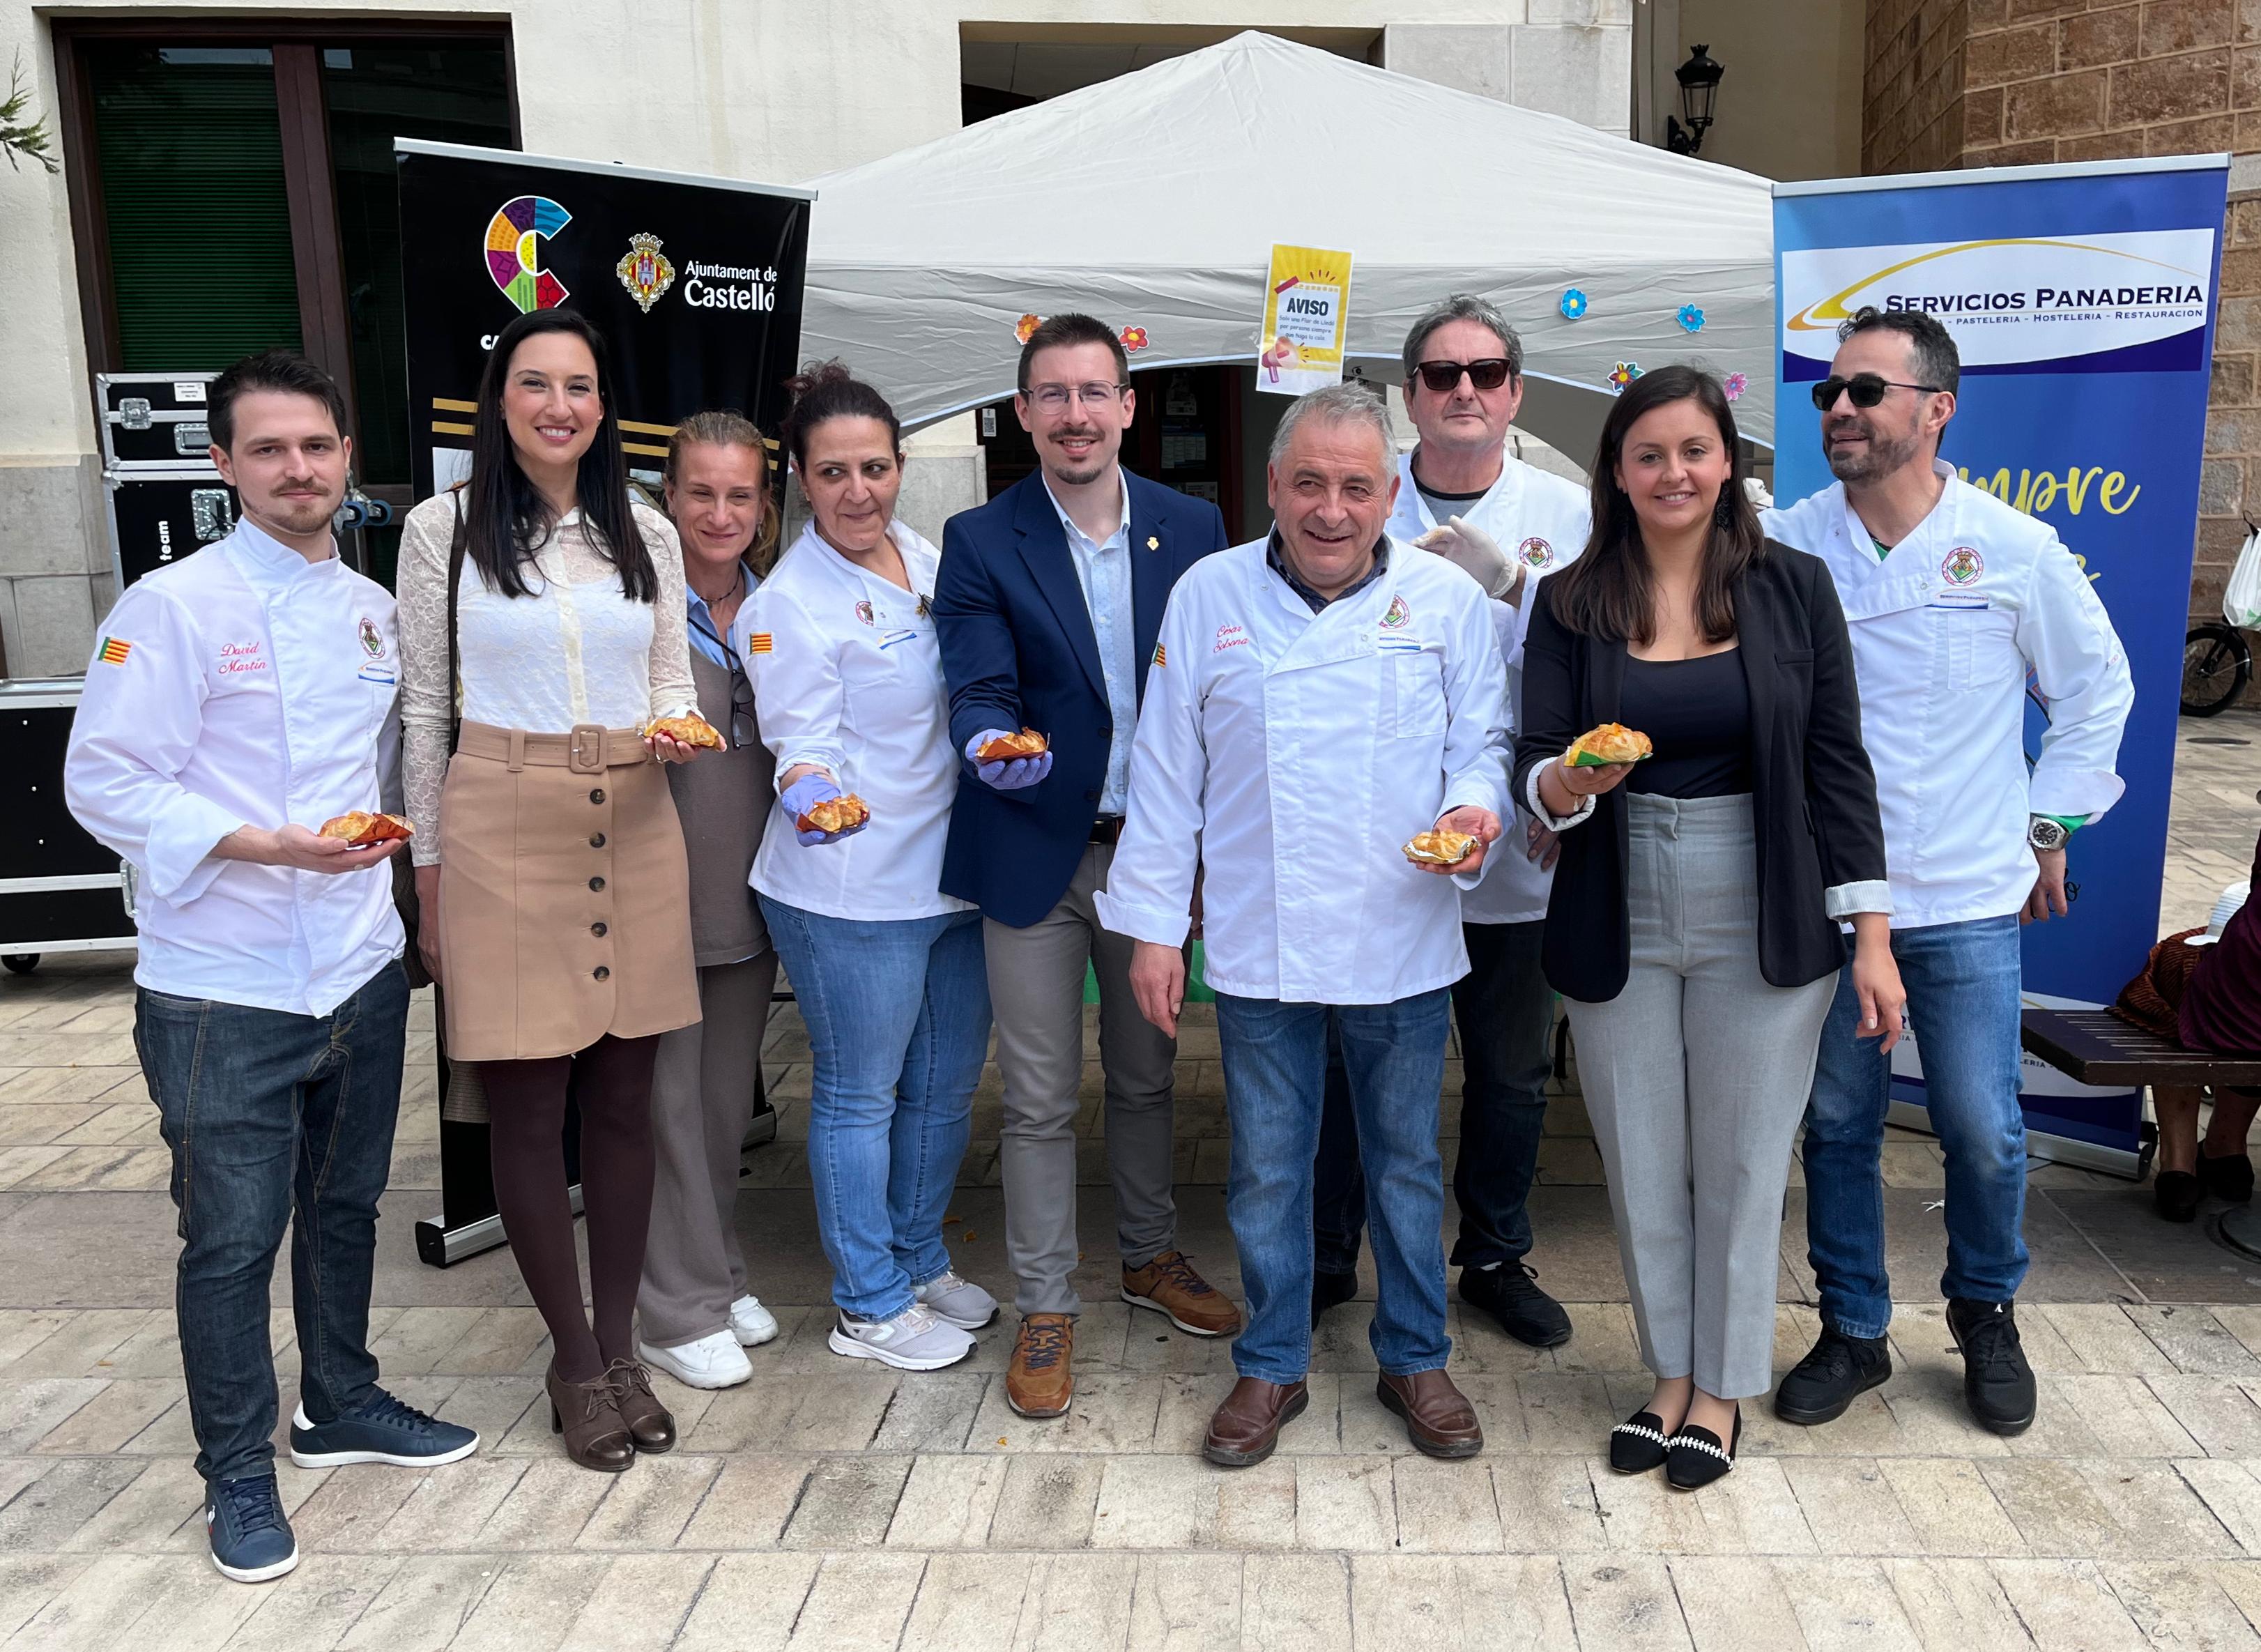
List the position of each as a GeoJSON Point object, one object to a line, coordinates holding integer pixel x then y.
{"type": "Point", "coordinates": [574, 650]}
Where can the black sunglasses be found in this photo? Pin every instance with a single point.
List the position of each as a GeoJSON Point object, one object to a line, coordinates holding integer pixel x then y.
{"type": "Point", "coordinates": [1866, 390]}
{"type": "Point", "coordinates": [1441, 377]}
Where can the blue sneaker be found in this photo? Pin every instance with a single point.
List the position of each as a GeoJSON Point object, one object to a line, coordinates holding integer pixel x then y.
{"type": "Point", "coordinates": [380, 1429]}
{"type": "Point", "coordinates": [251, 1541]}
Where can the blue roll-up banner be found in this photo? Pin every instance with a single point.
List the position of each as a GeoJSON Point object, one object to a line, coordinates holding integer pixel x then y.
{"type": "Point", "coordinates": [2082, 299]}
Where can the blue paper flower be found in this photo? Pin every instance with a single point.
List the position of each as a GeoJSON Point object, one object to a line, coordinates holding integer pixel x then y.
{"type": "Point", "coordinates": [1691, 317]}
{"type": "Point", "coordinates": [1573, 303]}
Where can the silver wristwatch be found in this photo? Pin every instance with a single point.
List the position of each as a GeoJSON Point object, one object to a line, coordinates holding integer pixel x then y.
{"type": "Point", "coordinates": [2045, 833]}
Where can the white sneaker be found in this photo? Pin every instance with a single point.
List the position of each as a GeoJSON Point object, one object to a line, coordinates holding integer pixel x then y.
{"type": "Point", "coordinates": [751, 1323]}
{"type": "Point", "coordinates": [959, 1302]}
{"type": "Point", "coordinates": [915, 1339]}
{"type": "Point", "coordinates": [714, 1360]}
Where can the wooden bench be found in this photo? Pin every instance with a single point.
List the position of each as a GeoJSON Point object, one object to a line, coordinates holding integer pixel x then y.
{"type": "Point", "coordinates": [2095, 1046]}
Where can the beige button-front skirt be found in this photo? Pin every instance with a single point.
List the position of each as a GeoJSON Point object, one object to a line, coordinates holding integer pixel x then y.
{"type": "Point", "coordinates": [564, 897]}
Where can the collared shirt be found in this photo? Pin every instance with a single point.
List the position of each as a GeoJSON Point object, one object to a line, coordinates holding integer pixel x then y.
{"type": "Point", "coordinates": [1103, 570]}
{"type": "Point", "coordinates": [1276, 557]}
{"type": "Point", "coordinates": [243, 686]}
{"type": "Point", "coordinates": [705, 635]}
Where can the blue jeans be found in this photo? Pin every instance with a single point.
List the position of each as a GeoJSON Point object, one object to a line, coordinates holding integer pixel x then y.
{"type": "Point", "coordinates": [1505, 1009]}
{"type": "Point", "coordinates": [270, 1114]}
{"type": "Point", "coordinates": [1961, 981]}
{"type": "Point", "coordinates": [1275, 1066]}
{"type": "Point", "coordinates": [897, 1018]}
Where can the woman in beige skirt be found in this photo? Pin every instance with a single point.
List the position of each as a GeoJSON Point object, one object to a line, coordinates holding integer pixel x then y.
{"type": "Point", "coordinates": [551, 867]}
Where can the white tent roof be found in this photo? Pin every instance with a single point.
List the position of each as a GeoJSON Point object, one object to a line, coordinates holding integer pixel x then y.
{"type": "Point", "coordinates": [1154, 200]}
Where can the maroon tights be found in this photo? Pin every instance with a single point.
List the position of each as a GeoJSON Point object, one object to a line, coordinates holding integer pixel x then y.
{"type": "Point", "coordinates": [610, 1083]}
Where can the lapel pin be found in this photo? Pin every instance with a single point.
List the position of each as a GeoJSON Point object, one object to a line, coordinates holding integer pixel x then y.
{"type": "Point", "coordinates": [1153, 543]}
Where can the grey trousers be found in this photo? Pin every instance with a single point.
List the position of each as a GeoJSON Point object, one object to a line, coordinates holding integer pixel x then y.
{"type": "Point", "coordinates": [1035, 991]}
{"type": "Point", "coordinates": [1696, 1076]}
{"type": "Point", "coordinates": [702, 1094]}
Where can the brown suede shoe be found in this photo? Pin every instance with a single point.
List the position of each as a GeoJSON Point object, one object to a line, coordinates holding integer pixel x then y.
{"type": "Point", "coordinates": [1438, 1419]}
{"type": "Point", "coordinates": [1168, 1285]}
{"type": "Point", "coordinates": [1247, 1425]}
{"type": "Point", "coordinates": [1040, 1381]}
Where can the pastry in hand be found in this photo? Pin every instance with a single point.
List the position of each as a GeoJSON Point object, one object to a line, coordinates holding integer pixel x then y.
{"type": "Point", "coordinates": [688, 729]}
{"type": "Point", "coordinates": [1610, 743]}
{"type": "Point", "coordinates": [836, 815]}
{"type": "Point", "coordinates": [361, 829]}
{"type": "Point", "coordinates": [1439, 848]}
{"type": "Point", "coordinates": [1006, 747]}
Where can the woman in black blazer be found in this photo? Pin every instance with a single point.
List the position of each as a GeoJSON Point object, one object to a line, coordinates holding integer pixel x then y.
{"type": "Point", "coordinates": [1694, 923]}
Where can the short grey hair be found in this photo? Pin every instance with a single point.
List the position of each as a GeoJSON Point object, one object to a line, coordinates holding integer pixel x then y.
{"type": "Point", "coordinates": [1349, 402]}
{"type": "Point", "coordinates": [1461, 306]}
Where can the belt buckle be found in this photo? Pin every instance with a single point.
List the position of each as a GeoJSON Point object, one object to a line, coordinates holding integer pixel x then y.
{"type": "Point", "coordinates": [586, 753]}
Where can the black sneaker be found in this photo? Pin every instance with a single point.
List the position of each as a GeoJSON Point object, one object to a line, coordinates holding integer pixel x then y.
{"type": "Point", "coordinates": [1998, 1384]}
{"type": "Point", "coordinates": [2177, 1194]}
{"type": "Point", "coordinates": [1510, 1294]}
{"type": "Point", "coordinates": [2228, 1177]}
{"type": "Point", "coordinates": [1331, 1290]}
{"type": "Point", "coordinates": [1835, 1372]}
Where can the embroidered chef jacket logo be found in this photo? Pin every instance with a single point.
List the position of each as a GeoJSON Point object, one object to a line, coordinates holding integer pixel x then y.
{"type": "Point", "coordinates": [1230, 636]}
{"type": "Point", "coordinates": [1535, 552]}
{"type": "Point", "coordinates": [372, 640]}
{"type": "Point", "coordinates": [1962, 565]}
{"type": "Point", "coordinates": [236, 658]}
{"type": "Point", "coordinates": [864, 613]}
{"type": "Point", "coordinates": [1396, 614]}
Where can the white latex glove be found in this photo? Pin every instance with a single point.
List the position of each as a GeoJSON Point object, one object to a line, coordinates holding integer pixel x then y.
{"type": "Point", "coordinates": [1476, 552]}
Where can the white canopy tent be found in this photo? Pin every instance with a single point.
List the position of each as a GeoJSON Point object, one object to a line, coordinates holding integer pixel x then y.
{"type": "Point", "coordinates": [1154, 200]}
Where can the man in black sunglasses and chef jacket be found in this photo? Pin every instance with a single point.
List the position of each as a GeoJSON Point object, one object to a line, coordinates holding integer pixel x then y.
{"type": "Point", "coordinates": [1951, 597]}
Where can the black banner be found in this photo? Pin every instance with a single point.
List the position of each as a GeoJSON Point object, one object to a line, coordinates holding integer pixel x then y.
{"type": "Point", "coordinates": [696, 284]}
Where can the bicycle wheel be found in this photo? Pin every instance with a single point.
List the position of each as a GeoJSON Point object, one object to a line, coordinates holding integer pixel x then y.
{"type": "Point", "coordinates": [2216, 667]}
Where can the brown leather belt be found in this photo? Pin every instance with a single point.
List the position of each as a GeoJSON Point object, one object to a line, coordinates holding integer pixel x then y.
{"type": "Point", "coordinates": [1108, 828]}
{"type": "Point", "coordinates": [590, 749]}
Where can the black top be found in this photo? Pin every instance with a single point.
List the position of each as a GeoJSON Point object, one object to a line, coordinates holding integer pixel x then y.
{"type": "Point", "coordinates": [1813, 795]}
{"type": "Point", "coordinates": [1696, 713]}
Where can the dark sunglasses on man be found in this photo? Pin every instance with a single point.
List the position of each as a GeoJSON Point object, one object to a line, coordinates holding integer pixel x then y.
{"type": "Point", "coordinates": [1866, 390]}
{"type": "Point", "coordinates": [1444, 376]}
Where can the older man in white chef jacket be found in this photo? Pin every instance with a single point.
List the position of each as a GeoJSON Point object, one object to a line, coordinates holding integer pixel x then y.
{"type": "Point", "coordinates": [1319, 697]}
{"type": "Point", "coordinates": [1951, 597]}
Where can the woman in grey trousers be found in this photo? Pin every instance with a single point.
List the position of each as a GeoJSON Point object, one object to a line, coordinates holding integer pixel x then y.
{"type": "Point", "coordinates": [1693, 927]}
{"type": "Point", "coordinates": [696, 1315]}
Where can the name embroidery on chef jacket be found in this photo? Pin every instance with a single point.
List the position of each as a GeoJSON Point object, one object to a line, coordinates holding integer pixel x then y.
{"type": "Point", "coordinates": [237, 659]}
{"type": "Point", "coordinates": [1231, 635]}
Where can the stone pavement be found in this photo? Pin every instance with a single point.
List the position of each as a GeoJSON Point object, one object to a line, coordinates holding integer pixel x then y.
{"type": "Point", "coordinates": [829, 1505]}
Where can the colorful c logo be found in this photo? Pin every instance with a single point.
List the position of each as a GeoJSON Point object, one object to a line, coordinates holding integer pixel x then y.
{"type": "Point", "coordinates": [513, 251]}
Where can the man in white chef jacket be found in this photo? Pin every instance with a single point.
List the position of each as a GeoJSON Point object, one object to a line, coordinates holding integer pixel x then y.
{"type": "Point", "coordinates": [1317, 699]}
{"type": "Point", "coordinates": [1951, 597]}
{"type": "Point", "coordinates": [1462, 494]}
{"type": "Point", "coordinates": [236, 702]}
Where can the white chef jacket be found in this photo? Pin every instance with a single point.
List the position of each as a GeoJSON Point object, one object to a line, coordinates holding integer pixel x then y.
{"type": "Point", "coordinates": [847, 676]}
{"type": "Point", "coordinates": [1542, 521]}
{"type": "Point", "coordinates": [1944, 629]}
{"type": "Point", "coordinates": [1290, 755]}
{"type": "Point", "coordinates": [243, 686]}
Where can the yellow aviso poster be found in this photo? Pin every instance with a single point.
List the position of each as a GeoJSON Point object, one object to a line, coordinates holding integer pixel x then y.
{"type": "Point", "coordinates": [1306, 320]}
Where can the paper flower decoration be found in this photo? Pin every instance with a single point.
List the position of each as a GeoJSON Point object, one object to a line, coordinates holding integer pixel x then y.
{"type": "Point", "coordinates": [1573, 303]}
{"type": "Point", "coordinates": [1025, 325]}
{"type": "Point", "coordinates": [1134, 339]}
{"type": "Point", "coordinates": [1691, 318]}
{"type": "Point", "coordinates": [1623, 374]}
{"type": "Point", "coordinates": [1734, 384]}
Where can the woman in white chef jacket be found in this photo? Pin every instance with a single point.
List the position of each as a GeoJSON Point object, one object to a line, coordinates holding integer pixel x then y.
{"type": "Point", "coordinates": [889, 971]}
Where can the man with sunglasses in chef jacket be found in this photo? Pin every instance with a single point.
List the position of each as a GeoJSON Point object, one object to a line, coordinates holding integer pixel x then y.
{"type": "Point", "coordinates": [1462, 495]}
{"type": "Point", "coordinates": [1952, 597]}
{"type": "Point", "coordinates": [1317, 700]}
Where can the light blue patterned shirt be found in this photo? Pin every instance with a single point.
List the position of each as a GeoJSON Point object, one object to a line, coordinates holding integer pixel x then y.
{"type": "Point", "coordinates": [1103, 570]}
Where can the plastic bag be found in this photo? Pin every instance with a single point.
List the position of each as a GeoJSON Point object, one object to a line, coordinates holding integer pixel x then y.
{"type": "Point", "coordinates": [2241, 598]}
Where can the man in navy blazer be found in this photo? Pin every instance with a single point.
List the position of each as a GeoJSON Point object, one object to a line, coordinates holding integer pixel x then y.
{"type": "Point", "coordinates": [1046, 605]}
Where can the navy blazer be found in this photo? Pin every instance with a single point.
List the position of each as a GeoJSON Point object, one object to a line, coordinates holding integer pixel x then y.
{"type": "Point", "coordinates": [1018, 650]}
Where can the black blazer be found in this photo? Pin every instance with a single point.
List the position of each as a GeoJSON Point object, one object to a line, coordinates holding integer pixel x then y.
{"type": "Point", "coordinates": [1813, 796]}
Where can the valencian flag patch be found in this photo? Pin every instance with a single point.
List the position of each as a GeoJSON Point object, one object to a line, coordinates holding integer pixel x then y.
{"type": "Point", "coordinates": [762, 643]}
{"type": "Point", "coordinates": [114, 650]}
{"type": "Point", "coordinates": [1162, 654]}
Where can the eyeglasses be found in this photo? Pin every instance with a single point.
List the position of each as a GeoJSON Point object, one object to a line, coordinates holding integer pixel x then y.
{"type": "Point", "coordinates": [1442, 376]}
{"type": "Point", "coordinates": [743, 731]}
{"type": "Point", "coordinates": [1866, 390]}
{"type": "Point", "coordinates": [1054, 398]}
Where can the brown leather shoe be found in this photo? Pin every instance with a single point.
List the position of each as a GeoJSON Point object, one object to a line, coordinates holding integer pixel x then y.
{"type": "Point", "coordinates": [1040, 1381]}
{"type": "Point", "coordinates": [1246, 1426]}
{"type": "Point", "coordinates": [1168, 1285]}
{"type": "Point", "coordinates": [1438, 1419]}
{"type": "Point", "coordinates": [589, 1417]}
{"type": "Point", "coordinates": [650, 1424]}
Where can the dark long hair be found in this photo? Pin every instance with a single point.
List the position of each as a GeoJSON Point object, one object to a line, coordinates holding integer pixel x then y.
{"type": "Point", "coordinates": [1610, 590]}
{"type": "Point", "coordinates": [505, 519]}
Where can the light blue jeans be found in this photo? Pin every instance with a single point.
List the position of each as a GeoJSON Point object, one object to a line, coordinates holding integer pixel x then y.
{"type": "Point", "coordinates": [898, 1018]}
